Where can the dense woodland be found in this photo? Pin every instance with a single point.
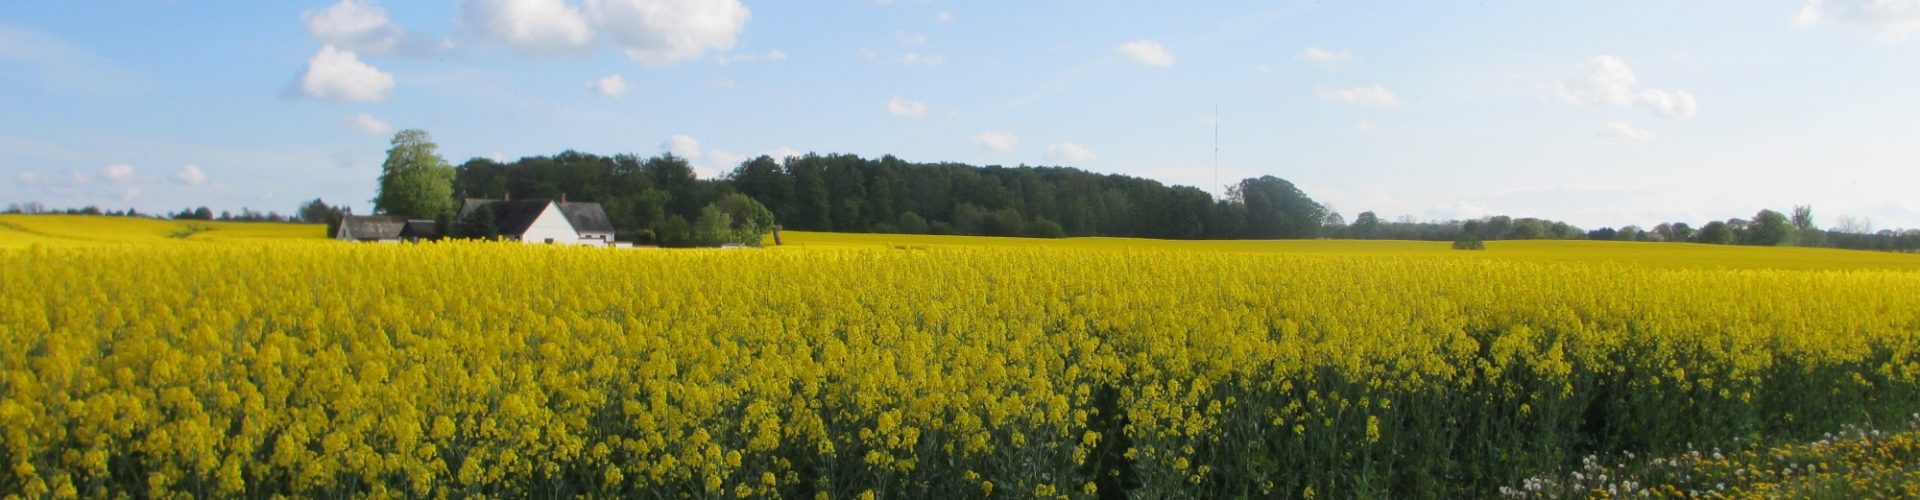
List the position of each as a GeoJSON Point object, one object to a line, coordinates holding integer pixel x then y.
{"type": "Point", "coordinates": [660, 200]}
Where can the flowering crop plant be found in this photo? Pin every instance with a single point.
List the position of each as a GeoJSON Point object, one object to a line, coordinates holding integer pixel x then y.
{"type": "Point", "coordinates": [318, 368]}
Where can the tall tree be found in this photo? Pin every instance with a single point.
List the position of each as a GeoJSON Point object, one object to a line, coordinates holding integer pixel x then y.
{"type": "Point", "coordinates": [415, 181]}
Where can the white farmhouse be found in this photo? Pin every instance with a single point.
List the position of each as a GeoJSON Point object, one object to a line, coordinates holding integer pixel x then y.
{"type": "Point", "coordinates": [545, 221]}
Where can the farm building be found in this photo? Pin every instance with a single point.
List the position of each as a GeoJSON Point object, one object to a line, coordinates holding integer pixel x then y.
{"type": "Point", "coordinates": [384, 229]}
{"type": "Point", "coordinates": [545, 221]}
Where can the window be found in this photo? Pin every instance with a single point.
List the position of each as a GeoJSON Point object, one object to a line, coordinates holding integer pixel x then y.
{"type": "Point", "coordinates": [549, 240]}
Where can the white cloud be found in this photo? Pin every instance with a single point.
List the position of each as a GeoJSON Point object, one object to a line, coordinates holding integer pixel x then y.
{"type": "Point", "coordinates": [1678, 103]}
{"type": "Point", "coordinates": [905, 108]}
{"type": "Point", "coordinates": [683, 146]}
{"type": "Point", "coordinates": [943, 17]}
{"type": "Point", "coordinates": [656, 32]}
{"type": "Point", "coordinates": [354, 25]}
{"type": "Point", "coordinates": [543, 28]}
{"type": "Point", "coordinates": [609, 86]}
{"type": "Point", "coordinates": [119, 173]}
{"type": "Point", "coordinates": [1893, 19]}
{"type": "Point", "coordinates": [997, 141]}
{"type": "Point", "coordinates": [337, 75]}
{"type": "Point", "coordinates": [1147, 52]}
{"type": "Point", "coordinates": [773, 55]}
{"type": "Point", "coordinates": [372, 124]}
{"type": "Point", "coordinates": [724, 161]}
{"type": "Point", "coordinates": [1610, 82]}
{"type": "Point", "coordinates": [191, 175]}
{"type": "Point", "coordinates": [1374, 96]}
{"type": "Point", "coordinates": [1067, 152]}
{"type": "Point", "coordinates": [784, 152]}
{"type": "Point", "coordinates": [1324, 56]}
{"type": "Point", "coordinates": [1626, 132]}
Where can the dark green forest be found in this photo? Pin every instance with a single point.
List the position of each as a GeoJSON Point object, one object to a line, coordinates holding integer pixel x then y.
{"type": "Point", "coordinates": [847, 193]}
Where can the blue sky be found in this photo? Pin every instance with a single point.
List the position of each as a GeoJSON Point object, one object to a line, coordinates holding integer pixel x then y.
{"type": "Point", "coordinates": [1601, 114]}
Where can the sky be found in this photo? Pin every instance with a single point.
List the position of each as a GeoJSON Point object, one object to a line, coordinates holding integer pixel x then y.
{"type": "Point", "coordinates": [1601, 114]}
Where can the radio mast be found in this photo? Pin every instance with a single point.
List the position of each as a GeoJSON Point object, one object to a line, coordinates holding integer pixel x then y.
{"type": "Point", "coordinates": [1216, 148]}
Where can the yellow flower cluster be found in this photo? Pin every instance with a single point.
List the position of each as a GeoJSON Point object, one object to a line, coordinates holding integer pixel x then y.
{"type": "Point", "coordinates": [455, 369]}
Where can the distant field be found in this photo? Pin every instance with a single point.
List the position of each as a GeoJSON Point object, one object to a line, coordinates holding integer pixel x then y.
{"type": "Point", "coordinates": [90, 230]}
{"type": "Point", "coordinates": [79, 230]}
{"type": "Point", "coordinates": [1666, 255]}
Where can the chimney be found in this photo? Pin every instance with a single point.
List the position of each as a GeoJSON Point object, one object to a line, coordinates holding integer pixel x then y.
{"type": "Point", "coordinates": [563, 197]}
{"type": "Point", "coordinates": [506, 196]}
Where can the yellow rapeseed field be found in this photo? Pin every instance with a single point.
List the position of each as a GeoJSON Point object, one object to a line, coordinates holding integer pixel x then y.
{"type": "Point", "coordinates": [839, 367]}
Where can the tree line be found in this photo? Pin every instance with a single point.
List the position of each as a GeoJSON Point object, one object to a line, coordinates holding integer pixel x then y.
{"type": "Point", "coordinates": [660, 200]}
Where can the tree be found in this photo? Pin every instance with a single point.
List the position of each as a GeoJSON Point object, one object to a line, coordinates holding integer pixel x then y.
{"type": "Point", "coordinates": [1469, 238]}
{"type": "Point", "coordinates": [1770, 228]}
{"type": "Point", "coordinates": [1277, 209]}
{"type": "Point", "coordinates": [479, 224]}
{"type": "Point", "coordinates": [750, 221]}
{"type": "Point", "coordinates": [319, 212]}
{"type": "Point", "coordinates": [713, 228]}
{"type": "Point", "coordinates": [1717, 233]}
{"type": "Point", "coordinates": [415, 181]}
{"type": "Point", "coordinates": [1365, 225]}
{"type": "Point", "coordinates": [912, 223]}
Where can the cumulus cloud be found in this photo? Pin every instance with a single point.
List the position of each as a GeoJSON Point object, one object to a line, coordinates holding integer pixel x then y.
{"type": "Point", "coordinates": [338, 75]}
{"type": "Point", "coordinates": [1147, 52]}
{"type": "Point", "coordinates": [1324, 56]}
{"type": "Point", "coordinates": [683, 146]}
{"type": "Point", "coordinates": [609, 86]}
{"type": "Point", "coordinates": [542, 28]}
{"type": "Point", "coordinates": [371, 124]}
{"type": "Point", "coordinates": [784, 152]}
{"type": "Point", "coordinates": [1067, 152]}
{"type": "Point", "coordinates": [906, 108]}
{"type": "Point", "coordinates": [119, 173]}
{"type": "Point", "coordinates": [191, 175]}
{"type": "Point", "coordinates": [354, 25]}
{"type": "Point", "coordinates": [1626, 132]}
{"type": "Point", "coordinates": [1891, 18]}
{"type": "Point", "coordinates": [650, 32]}
{"type": "Point", "coordinates": [1608, 81]}
{"type": "Point", "coordinates": [656, 32]}
{"type": "Point", "coordinates": [997, 141]}
{"type": "Point", "coordinates": [1373, 96]}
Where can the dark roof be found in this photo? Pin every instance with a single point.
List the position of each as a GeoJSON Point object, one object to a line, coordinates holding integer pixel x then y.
{"type": "Point", "coordinates": [586, 217]}
{"type": "Point", "coordinates": [420, 229]}
{"type": "Point", "coordinates": [372, 227]}
{"type": "Point", "coordinates": [513, 217]}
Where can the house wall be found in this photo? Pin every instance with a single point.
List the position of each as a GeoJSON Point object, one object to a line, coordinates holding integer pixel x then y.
{"type": "Point", "coordinates": [551, 224]}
